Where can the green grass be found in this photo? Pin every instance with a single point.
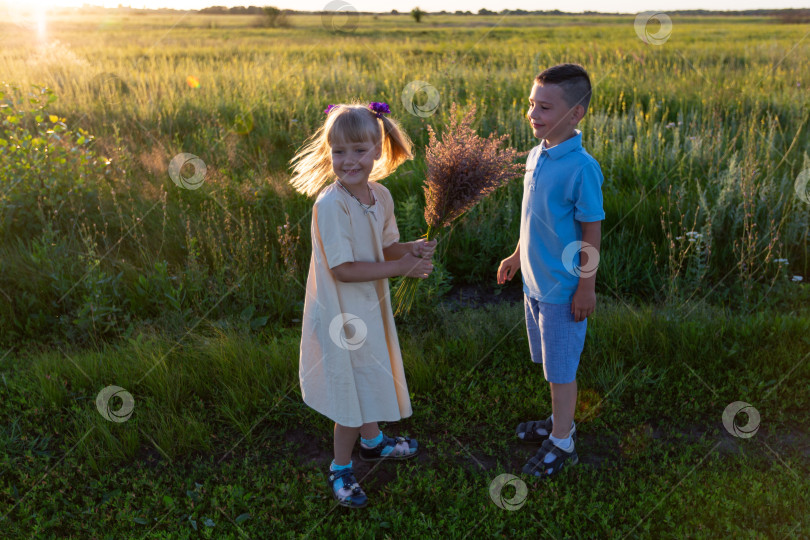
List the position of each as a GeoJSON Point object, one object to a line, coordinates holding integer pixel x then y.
{"type": "Point", "coordinates": [222, 412]}
{"type": "Point", "coordinates": [110, 274]}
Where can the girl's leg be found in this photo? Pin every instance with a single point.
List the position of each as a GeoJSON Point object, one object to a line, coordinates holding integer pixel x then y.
{"type": "Point", "coordinates": [369, 430]}
{"type": "Point", "coordinates": [345, 438]}
{"type": "Point", "coordinates": [341, 477]}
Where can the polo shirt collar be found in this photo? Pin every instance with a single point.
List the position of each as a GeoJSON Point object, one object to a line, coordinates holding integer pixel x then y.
{"type": "Point", "coordinates": [569, 145]}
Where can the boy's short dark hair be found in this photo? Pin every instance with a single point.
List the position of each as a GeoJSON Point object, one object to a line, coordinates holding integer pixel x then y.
{"type": "Point", "coordinates": [574, 81]}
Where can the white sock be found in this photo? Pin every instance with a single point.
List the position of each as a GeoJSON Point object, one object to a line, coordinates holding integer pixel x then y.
{"type": "Point", "coordinates": [566, 444]}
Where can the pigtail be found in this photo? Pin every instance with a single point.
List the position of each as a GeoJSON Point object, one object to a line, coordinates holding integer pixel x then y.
{"type": "Point", "coordinates": [312, 165]}
{"type": "Point", "coordinates": [396, 149]}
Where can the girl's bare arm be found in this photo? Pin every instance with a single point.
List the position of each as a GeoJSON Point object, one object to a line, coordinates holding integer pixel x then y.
{"type": "Point", "coordinates": [397, 250]}
{"type": "Point", "coordinates": [407, 265]}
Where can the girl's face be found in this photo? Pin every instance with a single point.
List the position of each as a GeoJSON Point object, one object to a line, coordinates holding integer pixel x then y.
{"type": "Point", "coordinates": [352, 161]}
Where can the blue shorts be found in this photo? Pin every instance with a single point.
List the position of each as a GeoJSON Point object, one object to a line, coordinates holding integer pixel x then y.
{"type": "Point", "coordinates": [555, 340]}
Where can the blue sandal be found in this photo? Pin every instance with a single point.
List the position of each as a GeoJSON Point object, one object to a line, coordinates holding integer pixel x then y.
{"type": "Point", "coordinates": [350, 494]}
{"type": "Point", "coordinates": [390, 448]}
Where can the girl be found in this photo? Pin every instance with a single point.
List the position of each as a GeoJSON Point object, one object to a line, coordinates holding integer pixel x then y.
{"type": "Point", "coordinates": [350, 367]}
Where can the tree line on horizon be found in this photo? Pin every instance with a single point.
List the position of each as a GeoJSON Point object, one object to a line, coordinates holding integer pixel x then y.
{"type": "Point", "coordinates": [788, 15]}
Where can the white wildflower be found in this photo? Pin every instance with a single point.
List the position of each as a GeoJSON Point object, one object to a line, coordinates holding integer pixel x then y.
{"type": "Point", "coordinates": [694, 235]}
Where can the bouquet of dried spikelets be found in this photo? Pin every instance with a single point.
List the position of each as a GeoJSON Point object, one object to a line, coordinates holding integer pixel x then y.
{"type": "Point", "coordinates": [462, 169]}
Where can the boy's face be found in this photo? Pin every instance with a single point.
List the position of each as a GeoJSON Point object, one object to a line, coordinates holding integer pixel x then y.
{"type": "Point", "coordinates": [551, 117]}
{"type": "Point", "coordinates": [353, 162]}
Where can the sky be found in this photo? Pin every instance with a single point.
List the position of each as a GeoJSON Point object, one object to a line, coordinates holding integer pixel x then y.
{"type": "Point", "coordinates": [620, 6]}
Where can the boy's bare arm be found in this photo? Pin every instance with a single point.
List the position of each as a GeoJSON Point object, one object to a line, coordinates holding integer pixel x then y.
{"type": "Point", "coordinates": [509, 266]}
{"type": "Point", "coordinates": [584, 300]}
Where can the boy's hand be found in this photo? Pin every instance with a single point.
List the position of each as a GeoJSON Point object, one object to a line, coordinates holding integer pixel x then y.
{"type": "Point", "coordinates": [423, 248]}
{"type": "Point", "coordinates": [583, 303]}
{"type": "Point", "coordinates": [413, 266]}
{"type": "Point", "coordinates": [508, 268]}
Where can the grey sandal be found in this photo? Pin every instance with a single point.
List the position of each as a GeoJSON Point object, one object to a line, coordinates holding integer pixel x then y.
{"type": "Point", "coordinates": [536, 465]}
{"type": "Point", "coordinates": [536, 431]}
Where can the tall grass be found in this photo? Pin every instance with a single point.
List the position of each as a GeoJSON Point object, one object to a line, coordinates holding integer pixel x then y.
{"type": "Point", "coordinates": [706, 132]}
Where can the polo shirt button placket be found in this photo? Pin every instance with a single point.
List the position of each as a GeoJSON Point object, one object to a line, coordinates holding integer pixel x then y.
{"type": "Point", "coordinates": [540, 160]}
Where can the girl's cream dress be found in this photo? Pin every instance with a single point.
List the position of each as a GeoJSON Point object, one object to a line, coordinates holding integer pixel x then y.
{"type": "Point", "coordinates": [350, 365]}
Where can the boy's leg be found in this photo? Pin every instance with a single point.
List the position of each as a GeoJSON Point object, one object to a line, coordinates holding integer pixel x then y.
{"type": "Point", "coordinates": [562, 340]}
{"type": "Point", "coordinates": [534, 430]}
{"type": "Point", "coordinates": [558, 450]}
{"type": "Point", "coordinates": [563, 406]}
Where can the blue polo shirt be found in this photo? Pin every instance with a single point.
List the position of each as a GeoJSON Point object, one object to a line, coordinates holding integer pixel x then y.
{"type": "Point", "coordinates": [561, 188]}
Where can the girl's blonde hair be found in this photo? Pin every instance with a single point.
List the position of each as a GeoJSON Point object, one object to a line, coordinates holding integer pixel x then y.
{"type": "Point", "coordinates": [349, 123]}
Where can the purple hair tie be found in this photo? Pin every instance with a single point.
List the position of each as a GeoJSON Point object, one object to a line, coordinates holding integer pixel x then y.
{"type": "Point", "coordinates": [379, 108]}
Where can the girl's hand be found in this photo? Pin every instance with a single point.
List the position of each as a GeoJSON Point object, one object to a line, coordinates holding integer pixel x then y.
{"type": "Point", "coordinates": [413, 266]}
{"type": "Point", "coordinates": [508, 268]}
{"type": "Point", "coordinates": [423, 248]}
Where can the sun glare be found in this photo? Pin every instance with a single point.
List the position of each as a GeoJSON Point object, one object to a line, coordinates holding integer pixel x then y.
{"type": "Point", "coordinates": [32, 16]}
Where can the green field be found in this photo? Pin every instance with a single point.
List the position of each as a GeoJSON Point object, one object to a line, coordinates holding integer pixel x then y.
{"type": "Point", "coordinates": [191, 299]}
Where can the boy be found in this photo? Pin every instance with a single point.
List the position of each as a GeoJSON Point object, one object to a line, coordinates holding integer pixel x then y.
{"type": "Point", "coordinates": [557, 253]}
